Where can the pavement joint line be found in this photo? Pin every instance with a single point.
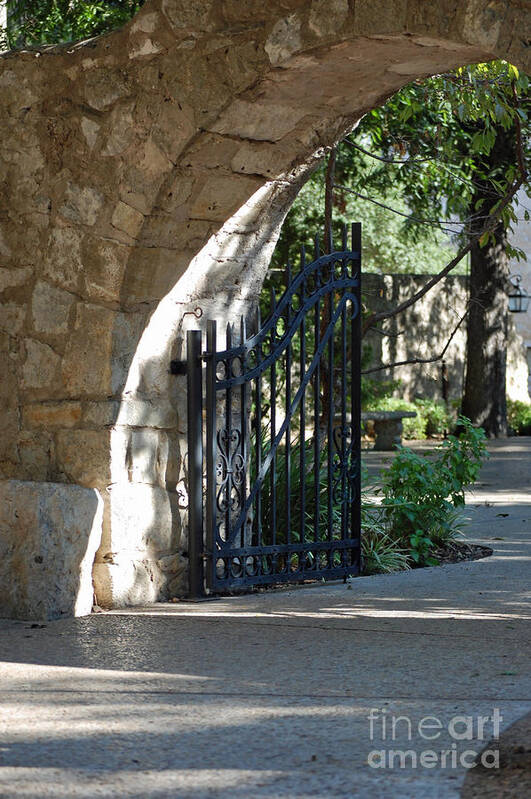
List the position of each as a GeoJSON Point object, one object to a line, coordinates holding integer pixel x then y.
{"type": "Point", "coordinates": [232, 620]}
{"type": "Point", "coordinates": [274, 694]}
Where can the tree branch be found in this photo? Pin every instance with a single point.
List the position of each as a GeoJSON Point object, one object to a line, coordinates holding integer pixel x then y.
{"type": "Point", "coordinates": [438, 223]}
{"type": "Point", "coordinates": [421, 360]}
{"type": "Point", "coordinates": [405, 161]}
{"type": "Point", "coordinates": [387, 333]}
{"type": "Point", "coordinates": [492, 220]}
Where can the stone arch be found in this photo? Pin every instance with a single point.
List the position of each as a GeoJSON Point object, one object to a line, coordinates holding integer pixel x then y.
{"type": "Point", "coordinates": [148, 173]}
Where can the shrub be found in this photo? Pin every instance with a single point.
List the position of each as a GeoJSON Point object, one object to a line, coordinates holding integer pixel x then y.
{"type": "Point", "coordinates": [420, 494]}
{"type": "Point", "coordinates": [438, 419]}
{"type": "Point", "coordinates": [519, 417]}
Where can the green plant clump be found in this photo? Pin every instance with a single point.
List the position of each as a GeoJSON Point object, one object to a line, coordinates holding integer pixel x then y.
{"type": "Point", "coordinates": [421, 500]}
{"type": "Point", "coordinates": [421, 495]}
{"type": "Point", "coordinates": [519, 417]}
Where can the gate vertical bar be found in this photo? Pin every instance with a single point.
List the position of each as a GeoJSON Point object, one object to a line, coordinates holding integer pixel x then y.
{"type": "Point", "coordinates": [195, 462]}
{"type": "Point", "coordinates": [356, 395]}
{"type": "Point", "coordinates": [210, 451]}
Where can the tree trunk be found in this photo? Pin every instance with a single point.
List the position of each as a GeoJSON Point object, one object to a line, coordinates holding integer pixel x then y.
{"type": "Point", "coordinates": [484, 399]}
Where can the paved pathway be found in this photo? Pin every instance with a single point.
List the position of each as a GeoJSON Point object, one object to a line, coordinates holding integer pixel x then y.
{"type": "Point", "coordinates": [268, 696]}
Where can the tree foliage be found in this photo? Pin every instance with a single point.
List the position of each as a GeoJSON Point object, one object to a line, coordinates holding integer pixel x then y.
{"type": "Point", "coordinates": [424, 154]}
{"type": "Point", "coordinates": [35, 22]}
{"type": "Point", "coordinates": [386, 246]}
{"type": "Point", "coordinates": [436, 136]}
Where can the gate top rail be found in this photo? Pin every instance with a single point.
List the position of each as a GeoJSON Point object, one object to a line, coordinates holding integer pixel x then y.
{"type": "Point", "coordinates": [284, 308]}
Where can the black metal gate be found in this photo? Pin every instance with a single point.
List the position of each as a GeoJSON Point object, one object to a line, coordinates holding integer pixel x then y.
{"type": "Point", "coordinates": [274, 462]}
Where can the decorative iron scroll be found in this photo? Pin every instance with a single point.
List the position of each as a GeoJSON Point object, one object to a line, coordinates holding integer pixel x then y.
{"type": "Point", "coordinates": [282, 433]}
{"type": "Point", "coordinates": [230, 470]}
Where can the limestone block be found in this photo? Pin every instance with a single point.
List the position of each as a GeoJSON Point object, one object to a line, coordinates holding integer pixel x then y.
{"type": "Point", "coordinates": [147, 456]}
{"type": "Point", "coordinates": [41, 367]}
{"type": "Point", "coordinates": [81, 204]}
{"type": "Point", "coordinates": [157, 412]}
{"type": "Point", "coordinates": [141, 520]}
{"type": "Point", "coordinates": [138, 559]}
{"type": "Point", "coordinates": [127, 582]}
{"type": "Point", "coordinates": [175, 126]}
{"type": "Point", "coordinates": [220, 197]}
{"type": "Point", "coordinates": [9, 410]}
{"type": "Point", "coordinates": [104, 265]}
{"type": "Point", "coordinates": [189, 14]}
{"type": "Point", "coordinates": [83, 456]}
{"type": "Point", "coordinates": [50, 309]}
{"type": "Point", "coordinates": [12, 317]}
{"type": "Point", "coordinates": [36, 454]}
{"type": "Point", "coordinates": [49, 534]}
{"type": "Point", "coordinates": [103, 87]}
{"type": "Point", "coordinates": [101, 414]}
{"type": "Point", "coordinates": [144, 175]}
{"type": "Point", "coordinates": [152, 161]}
{"type": "Point", "coordinates": [483, 23]}
{"type": "Point", "coordinates": [5, 250]}
{"type": "Point", "coordinates": [144, 46]}
{"type": "Point", "coordinates": [10, 431]}
{"type": "Point", "coordinates": [236, 11]}
{"type": "Point", "coordinates": [146, 22]}
{"type": "Point", "coordinates": [16, 90]}
{"type": "Point", "coordinates": [260, 121]}
{"type": "Point", "coordinates": [126, 333]}
{"type": "Point", "coordinates": [327, 16]}
{"type": "Point", "coordinates": [120, 132]}
{"type": "Point", "coordinates": [210, 152]}
{"type": "Point", "coordinates": [153, 271]}
{"type": "Point", "coordinates": [127, 219]}
{"type": "Point", "coordinates": [284, 39]}
{"type": "Point", "coordinates": [86, 366]}
{"type": "Point", "coordinates": [90, 129]}
{"type": "Point", "coordinates": [175, 569]}
{"type": "Point", "coordinates": [49, 415]}
{"type": "Point", "coordinates": [62, 262]}
{"type": "Point", "coordinates": [381, 16]}
{"type": "Point", "coordinates": [261, 158]}
{"type": "Point", "coordinates": [9, 381]}
{"type": "Point", "coordinates": [13, 277]}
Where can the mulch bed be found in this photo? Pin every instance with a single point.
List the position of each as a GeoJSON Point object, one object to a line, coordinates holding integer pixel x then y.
{"type": "Point", "coordinates": [457, 551]}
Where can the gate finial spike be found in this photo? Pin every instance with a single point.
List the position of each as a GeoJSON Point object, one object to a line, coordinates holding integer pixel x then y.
{"type": "Point", "coordinates": [288, 273]}
{"type": "Point", "coordinates": [229, 335]}
{"type": "Point", "coordinates": [345, 237]}
{"type": "Point", "coordinates": [243, 330]}
{"type": "Point", "coordinates": [303, 256]}
{"type": "Point", "coordinates": [317, 247]}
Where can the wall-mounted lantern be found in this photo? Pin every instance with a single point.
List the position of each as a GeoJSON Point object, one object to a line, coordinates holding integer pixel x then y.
{"type": "Point", "coordinates": [518, 297]}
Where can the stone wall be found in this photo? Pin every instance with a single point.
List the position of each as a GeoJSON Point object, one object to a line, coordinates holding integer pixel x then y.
{"type": "Point", "coordinates": [146, 173]}
{"type": "Point", "coordinates": [423, 330]}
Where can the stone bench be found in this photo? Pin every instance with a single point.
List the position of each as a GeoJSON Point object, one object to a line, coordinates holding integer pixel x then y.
{"type": "Point", "coordinates": [387, 426]}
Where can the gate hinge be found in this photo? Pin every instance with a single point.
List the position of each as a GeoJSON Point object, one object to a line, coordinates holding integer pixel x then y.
{"type": "Point", "coordinates": [178, 367]}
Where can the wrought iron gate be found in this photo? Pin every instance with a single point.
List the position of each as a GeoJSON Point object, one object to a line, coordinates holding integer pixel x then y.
{"type": "Point", "coordinates": [274, 462]}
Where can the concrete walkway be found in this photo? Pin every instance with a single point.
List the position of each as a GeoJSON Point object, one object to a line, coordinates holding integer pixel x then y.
{"type": "Point", "coordinates": [268, 695]}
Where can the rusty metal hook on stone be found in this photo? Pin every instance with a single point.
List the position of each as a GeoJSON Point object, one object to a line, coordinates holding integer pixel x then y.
{"type": "Point", "coordinates": [197, 312]}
